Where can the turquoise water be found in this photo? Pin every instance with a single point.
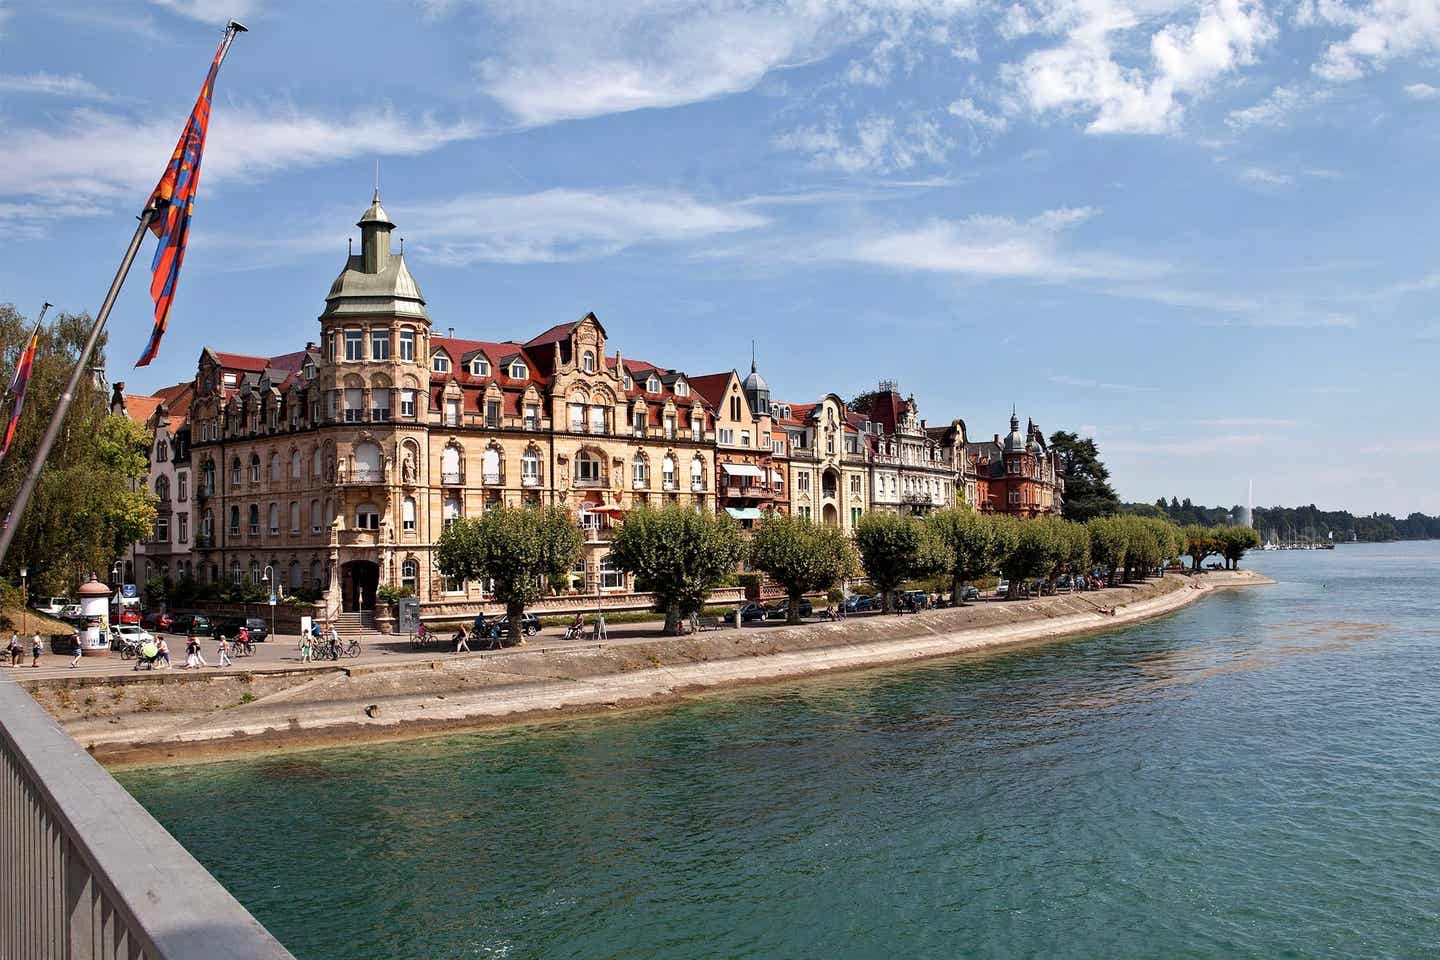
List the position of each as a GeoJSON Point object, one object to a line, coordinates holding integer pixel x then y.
{"type": "Point", "coordinates": [1256, 776]}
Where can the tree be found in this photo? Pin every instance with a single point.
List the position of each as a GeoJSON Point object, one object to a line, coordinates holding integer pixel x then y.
{"type": "Point", "coordinates": [1234, 542]}
{"type": "Point", "coordinates": [1087, 480]}
{"type": "Point", "coordinates": [1200, 542]}
{"type": "Point", "coordinates": [963, 543]}
{"type": "Point", "coordinates": [892, 550]}
{"type": "Point", "coordinates": [518, 549]}
{"type": "Point", "coordinates": [679, 554]}
{"type": "Point", "coordinates": [801, 555]}
{"type": "Point", "coordinates": [1073, 547]}
{"type": "Point", "coordinates": [91, 502]}
{"type": "Point", "coordinates": [1109, 541]}
{"type": "Point", "coordinates": [1036, 553]}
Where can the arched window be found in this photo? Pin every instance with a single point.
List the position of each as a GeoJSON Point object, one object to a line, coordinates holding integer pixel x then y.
{"type": "Point", "coordinates": [161, 450]}
{"type": "Point", "coordinates": [235, 573]}
{"type": "Point", "coordinates": [407, 514]}
{"type": "Point", "coordinates": [316, 574]}
{"type": "Point", "coordinates": [640, 471]}
{"type": "Point", "coordinates": [587, 361]}
{"type": "Point", "coordinates": [410, 574]}
{"type": "Point", "coordinates": [329, 511]}
{"type": "Point", "coordinates": [254, 468]}
{"type": "Point", "coordinates": [207, 477]}
{"type": "Point", "coordinates": [317, 464]}
{"type": "Point", "coordinates": [697, 474]}
{"type": "Point", "coordinates": [367, 461]}
{"type": "Point", "coordinates": [479, 366]}
{"type": "Point", "coordinates": [275, 467]}
{"type": "Point", "coordinates": [162, 488]}
{"type": "Point", "coordinates": [450, 460]}
{"type": "Point", "coordinates": [294, 516]}
{"type": "Point", "coordinates": [315, 517]}
{"type": "Point", "coordinates": [254, 519]}
{"type": "Point", "coordinates": [667, 472]}
{"type": "Point", "coordinates": [296, 464]}
{"type": "Point", "coordinates": [207, 524]}
{"type": "Point", "coordinates": [296, 578]}
{"type": "Point", "coordinates": [490, 465]}
{"type": "Point", "coordinates": [274, 519]}
{"type": "Point", "coordinates": [530, 468]}
{"type": "Point", "coordinates": [234, 521]}
{"type": "Point", "coordinates": [588, 467]}
{"type": "Point", "coordinates": [367, 517]}
{"type": "Point", "coordinates": [235, 472]}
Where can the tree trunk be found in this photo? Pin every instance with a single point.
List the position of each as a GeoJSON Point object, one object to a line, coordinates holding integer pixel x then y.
{"type": "Point", "coordinates": [887, 602]}
{"type": "Point", "coordinates": [792, 609]}
{"type": "Point", "coordinates": [672, 619]}
{"type": "Point", "coordinates": [956, 585]}
{"type": "Point", "coordinates": [516, 611]}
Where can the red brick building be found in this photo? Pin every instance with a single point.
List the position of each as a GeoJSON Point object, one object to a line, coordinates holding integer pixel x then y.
{"type": "Point", "coordinates": [1017, 474]}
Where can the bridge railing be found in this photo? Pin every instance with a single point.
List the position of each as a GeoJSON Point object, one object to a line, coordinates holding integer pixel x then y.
{"type": "Point", "coordinates": [87, 874]}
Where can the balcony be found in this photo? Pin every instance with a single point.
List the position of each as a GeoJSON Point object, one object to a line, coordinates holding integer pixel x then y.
{"type": "Point", "coordinates": [492, 478]}
{"type": "Point", "coordinates": [359, 538]}
{"type": "Point", "coordinates": [452, 478]}
{"type": "Point", "coordinates": [667, 485]}
{"type": "Point", "coordinates": [640, 484]}
{"type": "Point", "coordinates": [362, 476]}
{"type": "Point", "coordinates": [697, 486]}
{"type": "Point", "coordinates": [599, 429]}
{"type": "Point", "coordinates": [529, 481]}
{"type": "Point", "coordinates": [204, 542]}
{"type": "Point", "coordinates": [589, 483]}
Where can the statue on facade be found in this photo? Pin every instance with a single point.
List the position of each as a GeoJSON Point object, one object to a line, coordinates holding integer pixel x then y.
{"type": "Point", "coordinates": [407, 468]}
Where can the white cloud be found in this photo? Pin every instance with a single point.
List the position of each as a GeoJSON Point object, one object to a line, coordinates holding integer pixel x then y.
{"type": "Point", "coordinates": [1421, 91]}
{"type": "Point", "coordinates": [967, 110]}
{"type": "Point", "coordinates": [565, 225]}
{"type": "Point", "coordinates": [1068, 381]}
{"type": "Point", "coordinates": [878, 145]}
{"type": "Point", "coordinates": [1265, 177]}
{"type": "Point", "coordinates": [1380, 31]}
{"type": "Point", "coordinates": [96, 157]}
{"type": "Point", "coordinates": [51, 84]}
{"type": "Point", "coordinates": [570, 59]}
{"type": "Point", "coordinates": [218, 12]}
{"type": "Point", "coordinates": [983, 247]}
{"type": "Point", "coordinates": [1082, 77]}
{"type": "Point", "coordinates": [1274, 111]}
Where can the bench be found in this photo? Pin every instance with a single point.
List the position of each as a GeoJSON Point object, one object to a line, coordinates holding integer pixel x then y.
{"type": "Point", "coordinates": [709, 623]}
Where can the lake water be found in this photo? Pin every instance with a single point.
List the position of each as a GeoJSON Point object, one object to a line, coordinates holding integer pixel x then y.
{"type": "Point", "coordinates": [1255, 776]}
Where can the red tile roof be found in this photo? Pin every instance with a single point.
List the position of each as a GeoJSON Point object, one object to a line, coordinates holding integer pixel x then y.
{"type": "Point", "coordinates": [242, 361]}
{"type": "Point", "coordinates": [712, 386]}
{"type": "Point", "coordinates": [140, 408]}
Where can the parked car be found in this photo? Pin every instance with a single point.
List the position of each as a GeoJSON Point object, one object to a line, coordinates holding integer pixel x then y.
{"type": "Point", "coordinates": [1003, 588]}
{"type": "Point", "coordinates": [917, 597]}
{"type": "Point", "coordinates": [529, 625]}
{"type": "Point", "coordinates": [70, 613]}
{"type": "Point", "coordinates": [968, 594]}
{"type": "Point", "coordinates": [859, 603]}
{"type": "Point", "coordinates": [138, 635]}
{"type": "Point", "coordinates": [256, 627]}
{"type": "Point", "coordinates": [130, 615]}
{"type": "Point", "coordinates": [156, 621]}
{"type": "Point", "coordinates": [752, 612]}
{"type": "Point", "coordinates": [1065, 584]}
{"type": "Point", "coordinates": [50, 606]}
{"type": "Point", "coordinates": [191, 624]}
{"type": "Point", "coordinates": [781, 610]}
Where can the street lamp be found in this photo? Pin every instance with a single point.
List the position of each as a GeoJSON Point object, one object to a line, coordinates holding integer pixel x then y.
{"type": "Point", "coordinates": [268, 578]}
{"type": "Point", "coordinates": [115, 569]}
{"type": "Point", "coordinates": [24, 600]}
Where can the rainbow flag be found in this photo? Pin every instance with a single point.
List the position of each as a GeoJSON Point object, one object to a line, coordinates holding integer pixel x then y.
{"type": "Point", "coordinates": [174, 203]}
{"type": "Point", "coordinates": [17, 389]}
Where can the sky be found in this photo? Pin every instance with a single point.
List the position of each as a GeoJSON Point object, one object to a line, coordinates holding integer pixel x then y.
{"type": "Point", "coordinates": [1204, 233]}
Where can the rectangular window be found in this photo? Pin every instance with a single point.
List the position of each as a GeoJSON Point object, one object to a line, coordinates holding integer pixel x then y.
{"type": "Point", "coordinates": [407, 344]}
{"type": "Point", "coordinates": [354, 344]}
{"type": "Point", "coordinates": [407, 514]}
{"type": "Point", "coordinates": [492, 414]}
{"type": "Point", "coordinates": [577, 418]}
{"type": "Point", "coordinates": [744, 438]}
{"type": "Point", "coordinates": [182, 481]}
{"type": "Point", "coordinates": [669, 428]}
{"type": "Point", "coordinates": [379, 344]}
{"type": "Point", "coordinates": [450, 585]}
{"type": "Point", "coordinates": [532, 416]}
{"type": "Point", "coordinates": [637, 422]}
{"type": "Point", "coordinates": [855, 486]}
{"type": "Point", "coordinates": [727, 435]}
{"type": "Point", "coordinates": [805, 512]}
{"type": "Point", "coordinates": [611, 577]}
{"type": "Point", "coordinates": [380, 405]}
{"type": "Point", "coordinates": [162, 530]}
{"type": "Point", "coordinates": [452, 413]}
{"type": "Point", "coordinates": [597, 420]}
{"type": "Point", "coordinates": [315, 516]}
{"type": "Point", "coordinates": [182, 527]}
{"type": "Point", "coordinates": [802, 482]}
{"type": "Point", "coordinates": [354, 405]}
{"type": "Point", "coordinates": [407, 404]}
{"type": "Point", "coordinates": [854, 516]}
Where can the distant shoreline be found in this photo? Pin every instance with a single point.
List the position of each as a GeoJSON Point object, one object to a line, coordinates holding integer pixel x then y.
{"type": "Point", "coordinates": [214, 717]}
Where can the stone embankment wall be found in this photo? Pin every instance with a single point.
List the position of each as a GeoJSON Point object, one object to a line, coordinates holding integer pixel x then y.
{"type": "Point", "coordinates": [152, 718]}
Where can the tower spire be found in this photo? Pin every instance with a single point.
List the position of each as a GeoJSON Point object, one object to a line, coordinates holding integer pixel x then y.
{"type": "Point", "coordinates": [752, 356]}
{"type": "Point", "coordinates": [377, 180]}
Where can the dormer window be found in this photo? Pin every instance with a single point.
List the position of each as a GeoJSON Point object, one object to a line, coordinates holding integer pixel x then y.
{"type": "Point", "coordinates": [309, 370]}
{"type": "Point", "coordinates": [629, 382]}
{"type": "Point", "coordinates": [440, 363]}
{"type": "Point", "coordinates": [587, 361]}
{"type": "Point", "coordinates": [479, 367]}
{"type": "Point", "coordinates": [518, 370]}
{"type": "Point", "coordinates": [682, 389]}
{"type": "Point", "coordinates": [652, 385]}
{"type": "Point", "coordinates": [231, 379]}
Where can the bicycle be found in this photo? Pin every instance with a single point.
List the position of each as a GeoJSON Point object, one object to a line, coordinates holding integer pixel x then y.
{"type": "Point", "coordinates": [351, 649]}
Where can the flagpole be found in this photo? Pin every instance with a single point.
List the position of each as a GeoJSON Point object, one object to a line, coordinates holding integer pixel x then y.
{"type": "Point", "coordinates": [42, 453]}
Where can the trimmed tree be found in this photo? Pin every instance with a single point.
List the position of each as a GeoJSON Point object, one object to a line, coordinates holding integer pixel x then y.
{"type": "Point", "coordinates": [1200, 542]}
{"type": "Point", "coordinates": [963, 543]}
{"type": "Point", "coordinates": [1144, 548]}
{"type": "Point", "coordinates": [800, 555]}
{"type": "Point", "coordinates": [1234, 542]}
{"type": "Point", "coordinates": [1036, 553]}
{"type": "Point", "coordinates": [519, 549]}
{"type": "Point", "coordinates": [1108, 543]}
{"type": "Point", "coordinates": [892, 550]}
{"type": "Point", "coordinates": [679, 554]}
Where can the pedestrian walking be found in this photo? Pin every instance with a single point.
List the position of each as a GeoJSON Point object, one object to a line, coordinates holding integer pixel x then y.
{"type": "Point", "coordinates": [192, 653]}
{"type": "Point", "coordinates": [462, 640]}
{"type": "Point", "coordinates": [222, 651]}
{"type": "Point", "coordinates": [16, 649]}
{"type": "Point", "coordinates": [75, 648]}
{"type": "Point", "coordinates": [163, 652]}
{"type": "Point", "coordinates": [35, 650]}
{"type": "Point", "coordinates": [307, 647]}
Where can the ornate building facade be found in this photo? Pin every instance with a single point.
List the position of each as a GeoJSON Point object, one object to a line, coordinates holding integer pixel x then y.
{"type": "Point", "coordinates": [1018, 475]}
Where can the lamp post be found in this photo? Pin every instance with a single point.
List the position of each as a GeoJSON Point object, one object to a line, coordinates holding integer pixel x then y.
{"type": "Point", "coordinates": [115, 569]}
{"type": "Point", "coordinates": [269, 578]}
{"type": "Point", "coordinates": [24, 600]}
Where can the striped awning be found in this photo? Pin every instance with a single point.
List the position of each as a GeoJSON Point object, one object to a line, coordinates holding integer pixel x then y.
{"type": "Point", "coordinates": [742, 470]}
{"type": "Point", "coordinates": [744, 513]}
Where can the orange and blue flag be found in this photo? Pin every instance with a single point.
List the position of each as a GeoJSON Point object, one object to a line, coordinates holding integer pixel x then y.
{"type": "Point", "coordinates": [17, 389]}
{"type": "Point", "coordinates": [174, 202]}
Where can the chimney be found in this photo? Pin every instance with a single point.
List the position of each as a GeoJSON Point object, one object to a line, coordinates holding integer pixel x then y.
{"type": "Point", "coordinates": [452, 332]}
{"type": "Point", "coordinates": [310, 345]}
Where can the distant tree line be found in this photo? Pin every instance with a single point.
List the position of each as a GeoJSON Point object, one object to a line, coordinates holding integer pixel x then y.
{"type": "Point", "coordinates": [1295, 523]}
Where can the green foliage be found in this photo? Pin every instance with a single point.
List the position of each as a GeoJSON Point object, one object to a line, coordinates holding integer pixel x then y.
{"type": "Point", "coordinates": [519, 549]}
{"type": "Point", "coordinates": [246, 591]}
{"type": "Point", "coordinates": [1234, 542]}
{"type": "Point", "coordinates": [389, 593]}
{"type": "Point", "coordinates": [1304, 524]}
{"type": "Point", "coordinates": [157, 591]}
{"type": "Point", "coordinates": [892, 550]}
{"type": "Point", "coordinates": [1088, 493]}
{"type": "Point", "coordinates": [963, 544]}
{"type": "Point", "coordinates": [680, 554]}
{"type": "Point", "coordinates": [801, 555]}
{"type": "Point", "coordinates": [1036, 552]}
{"type": "Point", "coordinates": [1109, 543]}
{"type": "Point", "coordinates": [84, 513]}
{"type": "Point", "coordinates": [1200, 542]}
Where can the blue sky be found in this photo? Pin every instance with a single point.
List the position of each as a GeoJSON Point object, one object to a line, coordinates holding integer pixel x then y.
{"type": "Point", "coordinates": [1202, 232]}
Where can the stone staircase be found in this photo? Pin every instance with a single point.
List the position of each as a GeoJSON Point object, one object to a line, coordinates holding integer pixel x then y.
{"type": "Point", "coordinates": [360, 624]}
